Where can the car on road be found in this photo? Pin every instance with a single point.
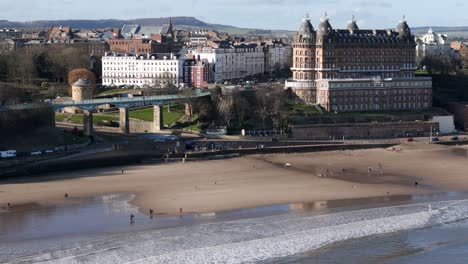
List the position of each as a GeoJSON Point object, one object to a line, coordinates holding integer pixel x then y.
{"type": "Point", "coordinates": [8, 154]}
{"type": "Point", "coordinates": [409, 140]}
{"type": "Point", "coordinates": [436, 139]}
{"type": "Point", "coordinates": [455, 138]}
{"type": "Point", "coordinates": [35, 153]}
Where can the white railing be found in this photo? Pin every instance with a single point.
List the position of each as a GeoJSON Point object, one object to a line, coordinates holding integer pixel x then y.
{"type": "Point", "coordinates": [133, 99]}
{"type": "Point", "coordinates": [300, 84]}
{"type": "Point", "coordinates": [104, 101]}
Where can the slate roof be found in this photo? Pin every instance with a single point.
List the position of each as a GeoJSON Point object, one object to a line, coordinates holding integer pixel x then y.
{"type": "Point", "coordinates": [402, 34]}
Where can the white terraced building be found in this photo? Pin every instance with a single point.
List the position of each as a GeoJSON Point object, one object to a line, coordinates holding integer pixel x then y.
{"type": "Point", "coordinates": [141, 70]}
{"type": "Point", "coordinates": [433, 45]}
{"type": "Point", "coordinates": [233, 62]}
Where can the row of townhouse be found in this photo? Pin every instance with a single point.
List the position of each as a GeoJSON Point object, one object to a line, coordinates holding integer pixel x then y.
{"type": "Point", "coordinates": [199, 67]}
{"type": "Point", "coordinates": [244, 60]}
{"type": "Point", "coordinates": [150, 70]}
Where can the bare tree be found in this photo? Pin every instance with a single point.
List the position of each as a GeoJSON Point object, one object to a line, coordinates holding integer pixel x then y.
{"type": "Point", "coordinates": [225, 109]}
{"type": "Point", "coordinates": [241, 107]}
{"type": "Point", "coordinates": [439, 64]}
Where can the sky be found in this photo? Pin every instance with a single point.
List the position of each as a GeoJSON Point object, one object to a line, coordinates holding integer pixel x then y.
{"type": "Point", "coordinates": [264, 14]}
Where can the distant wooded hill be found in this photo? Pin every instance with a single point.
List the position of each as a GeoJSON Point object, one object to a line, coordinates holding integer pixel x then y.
{"type": "Point", "coordinates": [452, 32]}
{"type": "Point", "coordinates": [190, 23]}
{"type": "Point", "coordinates": [180, 22]}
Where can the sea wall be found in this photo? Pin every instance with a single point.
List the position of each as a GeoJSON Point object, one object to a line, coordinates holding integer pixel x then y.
{"type": "Point", "coordinates": [364, 130]}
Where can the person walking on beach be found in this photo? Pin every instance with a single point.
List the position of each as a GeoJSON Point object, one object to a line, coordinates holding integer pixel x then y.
{"type": "Point", "coordinates": [181, 211]}
{"type": "Point", "coordinates": [66, 195]}
{"type": "Point", "coordinates": [151, 213]}
{"type": "Point", "coordinates": [132, 218]}
{"type": "Point", "coordinates": [123, 171]}
{"type": "Point", "coordinates": [416, 184]}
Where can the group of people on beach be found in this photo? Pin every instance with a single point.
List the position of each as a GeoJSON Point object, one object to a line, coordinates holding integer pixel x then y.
{"type": "Point", "coordinates": [151, 215]}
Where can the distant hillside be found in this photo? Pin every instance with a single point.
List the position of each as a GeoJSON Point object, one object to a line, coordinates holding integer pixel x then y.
{"type": "Point", "coordinates": [452, 32]}
{"type": "Point", "coordinates": [104, 23]}
{"type": "Point", "coordinates": [189, 23]}
{"type": "Point", "coordinates": [179, 22]}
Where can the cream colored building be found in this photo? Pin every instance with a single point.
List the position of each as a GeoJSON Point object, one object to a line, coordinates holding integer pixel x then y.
{"type": "Point", "coordinates": [232, 62]}
{"type": "Point", "coordinates": [433, 45]}
{"type": "Point", "coordinates": [120, 69]}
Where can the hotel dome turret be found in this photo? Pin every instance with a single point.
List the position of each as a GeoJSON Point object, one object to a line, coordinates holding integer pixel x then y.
{"type": "Point", "coordinates": [347, 69]}
{"type": "Point", "coordinates": [352, 26]}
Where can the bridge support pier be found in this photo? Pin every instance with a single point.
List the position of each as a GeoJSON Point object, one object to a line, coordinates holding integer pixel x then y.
{"type": "Point", "coordinates": [188, 109]}
{"type": "Point", "coordinates": [88, 123]}
{"type": "Point", "coordinates": [123, 120]}
{"type": "Point", "coordinates": [158, 122]}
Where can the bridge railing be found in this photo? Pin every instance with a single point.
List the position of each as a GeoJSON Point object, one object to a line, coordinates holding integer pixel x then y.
{"type": "Point", "coordinates": [115, 100]}
{"type": "Point", "coordinates": [133, 99]}
{"type": "Point", "coordinates": [23, 106]}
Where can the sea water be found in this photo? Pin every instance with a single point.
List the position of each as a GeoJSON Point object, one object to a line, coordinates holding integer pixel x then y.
{"type": "Point", "coordinates": [312, 233]}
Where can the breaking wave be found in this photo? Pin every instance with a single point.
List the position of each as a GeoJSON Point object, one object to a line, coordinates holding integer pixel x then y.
{"type": "Point", "coordinates": [251, 240]}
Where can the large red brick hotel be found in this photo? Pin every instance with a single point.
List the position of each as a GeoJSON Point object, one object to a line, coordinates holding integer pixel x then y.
{"type": "Point", "coordinates": [356, 69]}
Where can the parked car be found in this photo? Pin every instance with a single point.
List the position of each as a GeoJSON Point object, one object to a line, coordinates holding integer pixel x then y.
{"type": "Point", "coordinates": [48, 151]}
{"type": "Point", "coordinates": [35, 153]}
{"type": "Point", "coordinates": [409, 140]}
{"type": "Point", "coordinates": [436, 139]}
{"type": "Point", "coordinates": [8, 154]}
{"type": "Point", "coordinates": [455, 138]}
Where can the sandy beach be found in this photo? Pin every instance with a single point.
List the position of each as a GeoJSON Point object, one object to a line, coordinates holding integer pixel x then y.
{"type": "Point", "coordinates": [258, 180]}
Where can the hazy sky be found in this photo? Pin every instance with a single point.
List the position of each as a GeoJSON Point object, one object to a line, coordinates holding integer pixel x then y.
{"type": "Point", "coordinates": [267, 14]}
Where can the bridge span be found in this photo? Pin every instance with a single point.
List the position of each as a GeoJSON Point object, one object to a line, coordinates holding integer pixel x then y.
{"type": "Point", "coordinates": [124, 104]}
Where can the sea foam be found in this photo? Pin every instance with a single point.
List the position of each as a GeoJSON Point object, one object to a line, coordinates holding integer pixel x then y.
{"type": "Point", "coordinates": [251, 240]}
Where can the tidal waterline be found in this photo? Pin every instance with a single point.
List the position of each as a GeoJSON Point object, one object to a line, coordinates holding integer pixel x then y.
{"type": "Point", "coordinates": [92, 226]}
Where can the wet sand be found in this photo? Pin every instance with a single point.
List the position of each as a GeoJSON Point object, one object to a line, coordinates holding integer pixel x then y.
{"type": "Point", "coordinates": [258, 180]}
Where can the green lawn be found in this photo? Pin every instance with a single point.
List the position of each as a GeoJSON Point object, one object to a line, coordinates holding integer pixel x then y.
{"type": "Point", "coordinates": [76, 119]}
{"type": "Point", "coordinates": [196, 125]}
{"type": "Point", "coordinates": [114, 91]}
{"type": "Point", "coordinates": [146, 114]}
{"type": "Point", "coordinates": [300, 108]}
{"type": "Point", "coordinates": [60, 117]}
{"type": "Point", "coordinates": [177, 112]}
{"type": "Point", "coordinates": [188, 123]}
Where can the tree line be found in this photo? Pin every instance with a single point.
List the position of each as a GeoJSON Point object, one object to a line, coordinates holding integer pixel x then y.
{"type": "Point", "coordinates": [41, 65]}
{"type": "Point", "coordinates": [237, 109]}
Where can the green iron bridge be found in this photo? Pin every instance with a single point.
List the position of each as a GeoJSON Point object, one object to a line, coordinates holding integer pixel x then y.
{"type": "Point", "coordinates": [124, 104]}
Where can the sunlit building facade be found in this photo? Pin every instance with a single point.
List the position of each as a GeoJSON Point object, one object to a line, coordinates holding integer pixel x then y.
{"type": "Point", "coordinates": [356, 69]}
